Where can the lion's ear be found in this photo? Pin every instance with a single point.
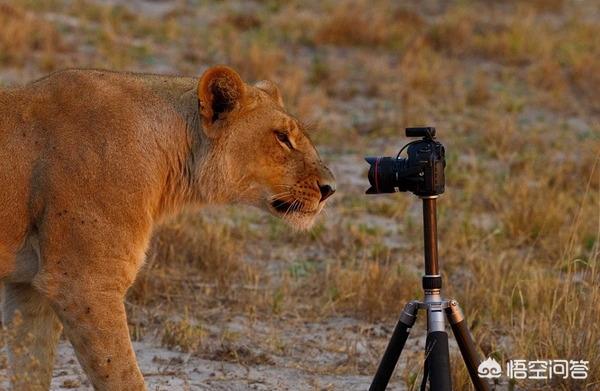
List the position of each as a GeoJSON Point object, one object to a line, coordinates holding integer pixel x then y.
{"type": "Point", "coordinates": [220, 90]}
{"type": "Point", "coordinates": [270, 88]}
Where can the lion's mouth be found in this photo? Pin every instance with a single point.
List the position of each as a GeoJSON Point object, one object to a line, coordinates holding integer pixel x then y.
{"type": "Point", "coordinates": [295, 212]}
{"type": "Point", "coordinates": [285, 207]}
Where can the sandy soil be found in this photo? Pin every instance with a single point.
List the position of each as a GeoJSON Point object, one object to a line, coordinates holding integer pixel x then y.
{"type": "Point", "coordinates": [309, 349]}
{"type": "Point", "coordinates": [167, 370]}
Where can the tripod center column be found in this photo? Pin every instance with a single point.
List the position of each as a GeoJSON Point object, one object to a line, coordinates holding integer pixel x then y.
{"type": "Point", "coordinates": [432, 281]}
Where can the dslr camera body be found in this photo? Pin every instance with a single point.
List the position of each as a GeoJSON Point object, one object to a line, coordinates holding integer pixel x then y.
{"type": "Point", "coordinates": [421, 173]}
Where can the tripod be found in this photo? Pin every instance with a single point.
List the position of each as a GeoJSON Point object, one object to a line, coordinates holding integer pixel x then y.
{"type": "Point", "coordinates": [437, 362]}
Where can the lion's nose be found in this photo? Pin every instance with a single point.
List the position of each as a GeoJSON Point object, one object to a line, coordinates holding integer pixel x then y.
{"type": "Point", "coordinates": [326, 191]}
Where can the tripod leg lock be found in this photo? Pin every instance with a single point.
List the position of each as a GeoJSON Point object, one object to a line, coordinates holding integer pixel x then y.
{"type": "Point", "coordinates": [409, 314]}
{"type": "Point", "coordinates": [454, 313]}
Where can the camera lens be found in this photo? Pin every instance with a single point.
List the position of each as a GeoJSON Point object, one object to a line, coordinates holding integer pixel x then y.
{"type": "Point", "coordinates": [383, 174]}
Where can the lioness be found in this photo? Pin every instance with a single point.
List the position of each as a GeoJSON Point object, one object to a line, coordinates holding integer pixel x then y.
{"type": "Point", "coordinates": [91, 159]}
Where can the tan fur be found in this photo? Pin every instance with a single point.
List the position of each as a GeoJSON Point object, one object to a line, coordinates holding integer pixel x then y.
{"type": "Point", "coordinates": [90, 160]}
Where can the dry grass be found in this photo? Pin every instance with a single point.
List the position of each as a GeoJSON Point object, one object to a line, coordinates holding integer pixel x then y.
{"type": "Point", "coordinates": [366, 23]}
{"type": "Point", "coordinates": [513, 90]}
{"type": "Point", "coordinates": [26, 38]}
{"type": "Point", "coordinates": [195, 252]}
{"type": "Point", "coordinates": [182, 335]}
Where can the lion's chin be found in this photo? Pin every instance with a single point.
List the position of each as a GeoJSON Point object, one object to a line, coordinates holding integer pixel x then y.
{"type": "Point", "coordinates": [300, 222]}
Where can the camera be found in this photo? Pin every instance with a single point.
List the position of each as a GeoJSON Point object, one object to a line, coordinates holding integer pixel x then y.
{"type": "Point", "coordinates": [421, 173]}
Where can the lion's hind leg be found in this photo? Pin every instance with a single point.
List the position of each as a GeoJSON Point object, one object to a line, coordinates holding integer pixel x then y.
{"type": "Point", "coordinates": [33, 332]}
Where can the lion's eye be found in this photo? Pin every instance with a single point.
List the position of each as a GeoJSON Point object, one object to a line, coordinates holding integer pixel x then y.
{"type": "Point", "coordinates": [283, 138]}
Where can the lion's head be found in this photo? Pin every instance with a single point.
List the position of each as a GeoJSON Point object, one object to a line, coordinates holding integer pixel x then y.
{"type": "Point", "coordinates": [268, 157]}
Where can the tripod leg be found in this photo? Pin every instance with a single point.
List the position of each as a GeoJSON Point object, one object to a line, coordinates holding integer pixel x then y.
{"type": "Point", "coordinates": [465, 343]}
{"type": "Point", "coordinates": [437, 362]}
{"type": "Point", "coordinates": [394, 348]}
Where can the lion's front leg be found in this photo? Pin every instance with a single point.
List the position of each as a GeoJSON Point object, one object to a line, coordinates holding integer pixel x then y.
{"type": "Point", "coordinates": [95, 323]}
{"type": "Point", "coordinates": [85, 283]}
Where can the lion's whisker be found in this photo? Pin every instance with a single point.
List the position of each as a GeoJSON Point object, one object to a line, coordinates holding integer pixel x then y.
{"type": "Point", "coordinates": [290, 207]}
{"type": "Point", "coordinates": [299, 206]}
{"type": "Point", "coordinates": [282, 195]}
{"type": "Point", "coordinates": [284, 186]}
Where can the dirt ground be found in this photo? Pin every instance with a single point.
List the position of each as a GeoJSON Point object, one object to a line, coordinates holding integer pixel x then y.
{"type": "Point", "coordinates": [169, 370]}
